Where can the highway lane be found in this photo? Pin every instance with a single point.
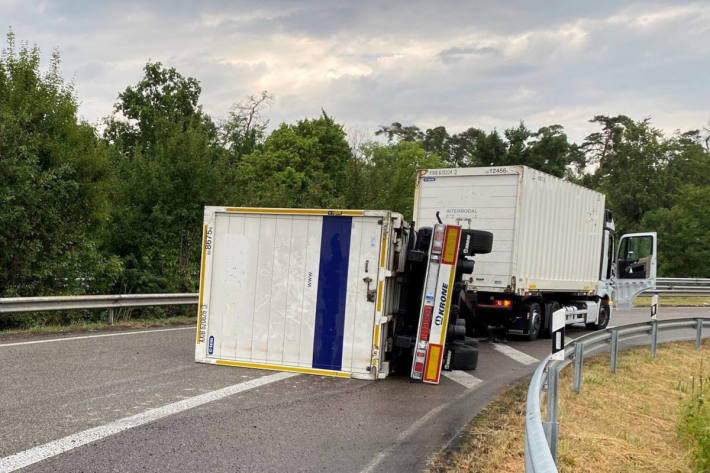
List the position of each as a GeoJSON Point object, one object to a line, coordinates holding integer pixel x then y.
{"type": "Point", "coordinates": [302, 423]}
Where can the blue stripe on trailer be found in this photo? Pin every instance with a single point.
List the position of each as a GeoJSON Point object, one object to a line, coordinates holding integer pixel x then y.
{"type": "Point", "coordinates": [332, 288]}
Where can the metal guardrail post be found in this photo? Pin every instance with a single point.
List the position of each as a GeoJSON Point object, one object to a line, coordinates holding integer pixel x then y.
{"type": "Point", "coordinates": [578, 362]}
{"type": "Point", "coordinates": [614, 350]}
{"type": "Point", "coordinates": [551, 425]}
{"type": "Point", "coordinates": [110, 316]}
{"type": "Point", "coordinates": [654, 338]}
{"type": "Point", "coordinates": [698, 334]}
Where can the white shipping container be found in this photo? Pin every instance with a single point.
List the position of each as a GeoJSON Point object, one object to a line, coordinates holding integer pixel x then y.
{"type": "Point", "coordinates": [547, 232]}
{"type": "Point", "coordinates": [303, 290]}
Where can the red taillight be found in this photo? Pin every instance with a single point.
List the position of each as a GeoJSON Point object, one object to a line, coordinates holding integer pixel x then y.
{"type": "Point", "coordinates": [426, 323]}
{"type": "Point", "coordinates": [418, 367]}
{"type": "Point", "coordinates": [503, 303]}
{"type": "Point", "coordinates": [438, 243]}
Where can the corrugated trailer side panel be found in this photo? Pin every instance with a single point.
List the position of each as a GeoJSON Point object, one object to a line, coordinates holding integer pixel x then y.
{"type": "Point", "coordinates": [559, 234]}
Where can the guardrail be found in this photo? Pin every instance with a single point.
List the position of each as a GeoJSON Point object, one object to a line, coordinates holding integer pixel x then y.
{"type": "Point", "coordinates": [110, 302]}
{"type": "Point", "coordinates": [541, 437]}
{"type": "Point", "coordinates": [681, 287]}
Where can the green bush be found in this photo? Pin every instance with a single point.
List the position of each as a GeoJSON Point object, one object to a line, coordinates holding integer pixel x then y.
{"type": "Point", "coordinates": [694, 425]}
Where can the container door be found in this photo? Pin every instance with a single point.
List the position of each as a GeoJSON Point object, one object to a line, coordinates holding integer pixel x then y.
{"type": "Point", "coordinates": [362, 291]}
{"type": "Point", "coordinates": [635, 267]}
{"type": "Point", "coordinates": [293, 292]}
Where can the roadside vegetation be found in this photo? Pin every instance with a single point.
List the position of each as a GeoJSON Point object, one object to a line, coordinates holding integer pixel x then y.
{"type": "Point", "coordinates": [694, 424]}
{"type": "Point", "coordinates": [493, 441]}
{"type": "Point", "coordinates": [89, 326]}
{"type": "Point", "coordinates": [650, 416]}
{"type": "Point", "coordinates": [116, 207]}
{"type": "Point", "coordinates": [674, 301]}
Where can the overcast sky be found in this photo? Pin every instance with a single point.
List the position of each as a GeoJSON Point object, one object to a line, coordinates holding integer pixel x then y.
{"type": "Point", "coordinates": [487, 64]}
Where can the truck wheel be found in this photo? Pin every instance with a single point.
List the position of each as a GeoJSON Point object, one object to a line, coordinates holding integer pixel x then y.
{"type": "Point", "coordinates": [476, 241]}
{"type": "Point", "coordinates": [464, 357]}
{"type": "Point", "coordinates": [550, 309]}
{"type": "Point", "coordinates": [602, 319]}
{"type": "Point", "coordinates": [535, 320]}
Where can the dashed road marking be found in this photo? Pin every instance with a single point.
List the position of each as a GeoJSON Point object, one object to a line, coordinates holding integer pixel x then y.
{"type": "Point", "coordinates": [516, 355]}
{"type": "Point", "coordinates": [57, 447]}
{"type": "Point", "coordinates": [465, 379]}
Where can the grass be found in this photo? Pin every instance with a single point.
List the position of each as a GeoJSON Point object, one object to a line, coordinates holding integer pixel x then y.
{"type": "Point", "coordinates": [493, 441]}
{"type": "Point", "coordinates": [694, 425]}
{"type": "Point", "coordinates": [84, 326]}
{"type": "Point", "coordinates": [627, 422]}
{"type": "Point", "coordinates": [674, 301]}
{"type": "Point", "coordinates": [631, 421]}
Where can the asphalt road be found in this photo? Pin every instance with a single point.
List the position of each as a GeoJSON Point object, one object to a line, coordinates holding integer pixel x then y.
{"type": "Point", "coordinates": [138, 402]}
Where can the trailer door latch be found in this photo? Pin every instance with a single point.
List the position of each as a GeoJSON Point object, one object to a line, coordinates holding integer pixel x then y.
{"type": "Point", "coordinates": [370, 292]}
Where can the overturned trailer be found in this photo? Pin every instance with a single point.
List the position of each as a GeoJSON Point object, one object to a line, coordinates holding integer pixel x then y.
{"type": "Point", "coordinates": [348, 293]}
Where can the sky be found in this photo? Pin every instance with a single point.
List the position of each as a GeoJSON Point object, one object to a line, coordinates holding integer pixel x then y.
{"type": "Point", "coordinates": [461, 64]}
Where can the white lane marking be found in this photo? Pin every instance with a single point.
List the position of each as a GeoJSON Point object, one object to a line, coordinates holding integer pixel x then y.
{"type": "Point", "coordinates": [465, 379]}
{"type": "Point", "coordinates": [57, 447]}
{"type": "Point", "coordinates": [517, 355]}
{"type": "Point", "coordinates": [402, 437]}
{"type": "Point", "coordinates": [50, 340]}
{"type": "Point", "coordinates": [374, 463]}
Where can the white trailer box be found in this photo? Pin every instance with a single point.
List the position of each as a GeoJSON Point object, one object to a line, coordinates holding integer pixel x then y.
{"type": "Point", "coordinates": [547, 231]}
{"type": "Point", "coordinates": [298, 289]}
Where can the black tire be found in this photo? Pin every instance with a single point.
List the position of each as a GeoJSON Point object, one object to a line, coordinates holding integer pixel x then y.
{"type": "Point", "coordinates": [423, 239]}
{"type": "Point", "coordinates": [602, 319]}
{"type": "Point", "coordinates": [464, 357]}
{"type": "Point", "coordinates": [551, 307]}
{"type": "Point", "coordinates": [476, 242]}
{"type": "Point", "coordinates": [534, 314]}
{"type": "Point", "coordinates": [416, 256]}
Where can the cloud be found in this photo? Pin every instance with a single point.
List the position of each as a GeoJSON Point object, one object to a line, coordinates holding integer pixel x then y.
{"type": "Point", "coordinates": [456, 53]}
{"type": "Point", "coordinates": [459, 64]}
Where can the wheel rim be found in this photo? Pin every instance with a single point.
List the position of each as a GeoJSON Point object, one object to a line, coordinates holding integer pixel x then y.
{"type": "Point", "coordinates": [535, 321]}
{"type": "Point", "coordinates": [603, 316]}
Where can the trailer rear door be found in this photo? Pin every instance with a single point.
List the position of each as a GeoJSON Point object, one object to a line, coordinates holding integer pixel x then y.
{"type": "Point", "coordinates": [290, 289]}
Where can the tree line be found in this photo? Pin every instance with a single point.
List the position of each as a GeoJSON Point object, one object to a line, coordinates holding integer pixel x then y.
{"type": "Point", "coordinates": [117, 207]}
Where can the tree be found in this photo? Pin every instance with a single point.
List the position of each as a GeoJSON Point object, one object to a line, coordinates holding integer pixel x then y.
{"type": "Point", "coordinates": [397, 132]}
{"type": "Point", "coordinates": [683, 233]}
{"type": "Point", "coordinates": [53, 176]}
{"type": "Point", "coordinates": [463, 148]}
{"type": "Point", "coordinates": [546, 150]}
{"type": "Point", "coordinates": [162, 96]}
{"type": "Point", "coordinates": [245, 129]}
{"type": "Point", "coordinates": [171, 165]}
{"type": "Point", "coordinates": [639, 169]}
{"type": "Point", "coordinates": [388, 175]}
{"type": "Point", "coordinates": [302, 165]}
